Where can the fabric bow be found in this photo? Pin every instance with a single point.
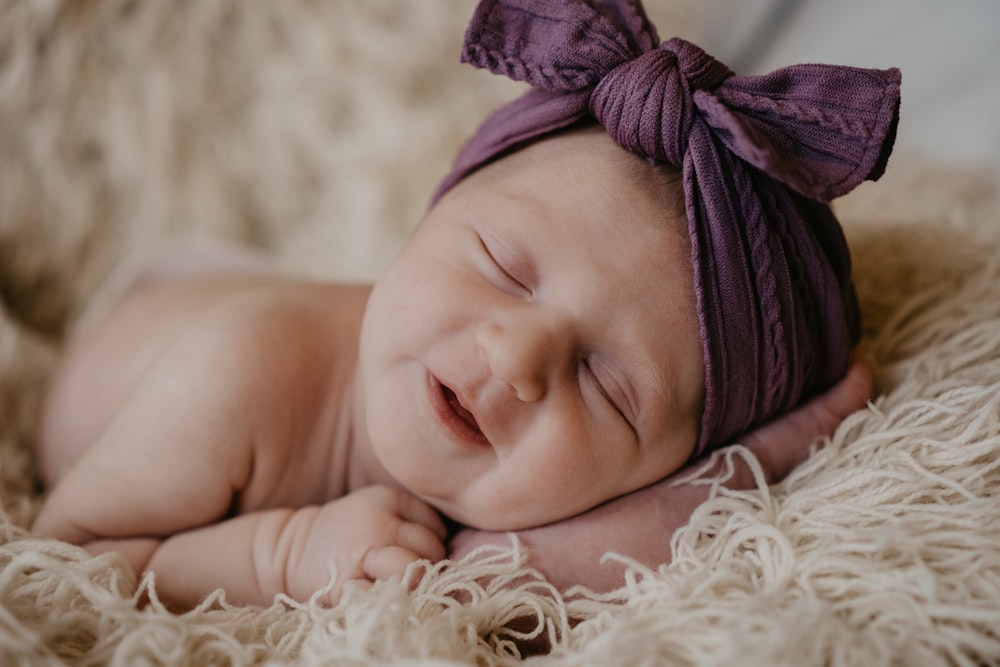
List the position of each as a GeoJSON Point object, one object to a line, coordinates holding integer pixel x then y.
{"type": "Point", "coordinates": [760, 156]}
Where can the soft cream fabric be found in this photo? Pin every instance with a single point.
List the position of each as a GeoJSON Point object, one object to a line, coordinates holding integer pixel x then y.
{"type": "Point", "coordinates": [317, 130]}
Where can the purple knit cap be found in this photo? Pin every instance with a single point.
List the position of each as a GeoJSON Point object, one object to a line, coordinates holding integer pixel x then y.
{"type": "Point", "coordinates": [760, 156]}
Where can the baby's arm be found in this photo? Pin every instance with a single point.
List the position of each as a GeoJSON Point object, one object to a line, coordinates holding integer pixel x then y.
{"type": "Point", "coordinates": [374, 533]}
{"type": "Point", "coordinates": [371, 534]}
{"type": "Point", "coordinates": [641, 524]}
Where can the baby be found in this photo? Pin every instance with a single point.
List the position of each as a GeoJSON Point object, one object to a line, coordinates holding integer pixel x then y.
{"type": "Point", "coordinates": [573, 320]}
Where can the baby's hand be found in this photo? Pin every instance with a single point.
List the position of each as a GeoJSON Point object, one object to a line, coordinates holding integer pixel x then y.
{"type": "Point", "coordinates": [373, 533]}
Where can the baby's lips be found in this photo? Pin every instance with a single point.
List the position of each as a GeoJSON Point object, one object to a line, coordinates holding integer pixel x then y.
{"type": "Point", "coordinates": [459, 407]}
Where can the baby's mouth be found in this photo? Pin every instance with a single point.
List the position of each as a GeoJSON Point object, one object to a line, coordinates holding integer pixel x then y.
{"type": "Point", "coordinates": [456, 405]}
{"type": "Point", "coordinates": [460, 418]}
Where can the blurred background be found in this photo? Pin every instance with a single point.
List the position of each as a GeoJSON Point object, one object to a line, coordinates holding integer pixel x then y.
{"type": "Point", "coordinates": [949, 53]}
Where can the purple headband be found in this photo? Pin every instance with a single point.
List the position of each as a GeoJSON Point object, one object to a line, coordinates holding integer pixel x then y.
{"type": "Point", "coordinates": [759, 155]}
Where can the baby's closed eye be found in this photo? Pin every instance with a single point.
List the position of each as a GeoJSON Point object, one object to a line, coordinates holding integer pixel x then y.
{"type": "Point", "coordinates": [597, 373]}
{"type": "Point", "coordinates": [514, 270]}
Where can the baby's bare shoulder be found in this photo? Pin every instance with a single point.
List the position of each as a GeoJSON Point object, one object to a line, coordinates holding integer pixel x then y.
{"type": "Point", "coordinates": [196, 402]}
{"type": "Point", "coordinates": [270, 346]}
{"type": "Point", "coordinates": [234, 372]}
{"type": "Point", "coordinates": [284, 359]}
{"type": "Point", "coordinates": [278, 361]}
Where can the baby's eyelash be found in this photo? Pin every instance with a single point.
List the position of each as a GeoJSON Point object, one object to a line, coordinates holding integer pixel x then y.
{"type": "Point", "coordinates": [499, 265]}
{"type": "Point", "coordinates": [604, 392]}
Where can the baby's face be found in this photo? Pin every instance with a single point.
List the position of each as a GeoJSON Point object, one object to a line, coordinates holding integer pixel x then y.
{"type": "Point", "coordinates": [534, 350]}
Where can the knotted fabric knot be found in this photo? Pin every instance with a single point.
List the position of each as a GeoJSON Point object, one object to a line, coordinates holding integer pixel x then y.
{"type": "Point", "coordinates": [646, 103]}
{"type": "Point", "coordinates": [760, 156]}
{"type": "Point", "coordinates": [700, 70]}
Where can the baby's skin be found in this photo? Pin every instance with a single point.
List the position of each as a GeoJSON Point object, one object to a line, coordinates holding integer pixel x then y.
{"type": "Point", "coordinates": [532, 354]}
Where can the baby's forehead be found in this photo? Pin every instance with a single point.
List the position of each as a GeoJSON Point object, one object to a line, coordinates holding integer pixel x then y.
{"type": "Point", "coordinates": [587, 161]}
{"type": "Point", "coordinates": [589, 147]}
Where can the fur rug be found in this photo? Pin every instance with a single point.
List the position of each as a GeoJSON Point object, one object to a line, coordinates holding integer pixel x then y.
{"type": "Point", "coordinates": [317, 131]}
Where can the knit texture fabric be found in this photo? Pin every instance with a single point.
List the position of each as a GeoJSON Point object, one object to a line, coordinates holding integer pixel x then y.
{"type": "Point", "coordinates": [760, 158]}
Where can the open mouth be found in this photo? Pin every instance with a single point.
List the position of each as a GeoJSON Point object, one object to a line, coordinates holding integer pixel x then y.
{"type": "Point", "coordinates": [455, 415]}
{"type": "Point", "coordinates": [460, 410]}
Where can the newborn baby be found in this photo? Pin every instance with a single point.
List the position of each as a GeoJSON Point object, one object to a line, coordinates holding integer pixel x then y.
{"type": "Point", "coordinates": [574, 319]}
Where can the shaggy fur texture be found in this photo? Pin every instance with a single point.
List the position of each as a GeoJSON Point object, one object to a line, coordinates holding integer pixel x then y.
{"type": "Point", "coordinates": [317, 130]}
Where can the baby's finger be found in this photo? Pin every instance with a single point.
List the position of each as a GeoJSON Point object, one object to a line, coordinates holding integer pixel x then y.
{"type": "Point", "coordinates": [420, 540]}
{"type": "Point", "coordinates": [414, 510]}
{"type": "Point", "coordinates": [387, 562]}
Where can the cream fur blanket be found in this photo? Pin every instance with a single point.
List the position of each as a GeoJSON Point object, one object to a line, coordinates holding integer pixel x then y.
{"type": "Point", "coordinates": [317, 130]}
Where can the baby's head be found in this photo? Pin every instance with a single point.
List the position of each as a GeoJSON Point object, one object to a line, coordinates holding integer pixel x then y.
{"type": "Point", "coordinates": [585, 308]}
{"type": "Point", "coordinates": [534, 350]}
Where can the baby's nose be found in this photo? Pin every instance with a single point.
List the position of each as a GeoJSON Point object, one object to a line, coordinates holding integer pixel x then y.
{"type": "Point", "coordinates": [525, 352]}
